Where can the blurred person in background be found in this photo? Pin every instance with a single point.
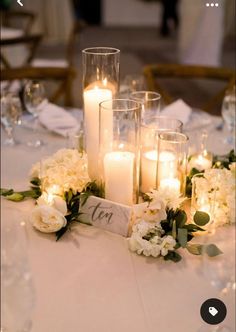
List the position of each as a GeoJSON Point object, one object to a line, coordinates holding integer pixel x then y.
{"type": "Point", "coordinates": [201, 32]}
{"type": "Point", "coordinates": [169, 16]}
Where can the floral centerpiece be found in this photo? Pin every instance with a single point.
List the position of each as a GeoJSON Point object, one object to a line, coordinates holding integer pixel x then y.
{"type": "Point", "coordinates": [219, 188]}
{"type": "Point", "coordinates": [161, 227]}
{"type": "Point", "coordinates": [160, 224]}
{"type": "Point", "coordinates": [56, 185]}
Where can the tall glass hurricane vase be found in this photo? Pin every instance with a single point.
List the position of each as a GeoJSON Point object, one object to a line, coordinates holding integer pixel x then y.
{"type": "Point", "coordinates": [119, 149]}
{"type": "Point", "coordinates": [100, 82]}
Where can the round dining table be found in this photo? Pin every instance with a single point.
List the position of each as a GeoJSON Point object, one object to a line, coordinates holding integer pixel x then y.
{"type": "Point", "coordinates": [89, 281]}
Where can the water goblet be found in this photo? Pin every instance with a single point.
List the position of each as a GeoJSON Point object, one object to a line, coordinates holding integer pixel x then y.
{"type": "Point", "coordinates": [11, 112]}
{"type": "Point", "coordinates": [34, 100]}
{"type": "Point", "coordinates": [130, 84]}
{"type": "Point", "coordinates": [228, 113]}
{"type": "Point", "coordinates": [151, 102]}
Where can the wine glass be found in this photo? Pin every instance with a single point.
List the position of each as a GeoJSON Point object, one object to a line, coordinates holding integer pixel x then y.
{"type": "Point", "coordinates": [130, 84]}
{"type": "Point", "coordinates": [17, 291]}
{"type": "Point", "coordinates": [34, 100]}
{"type": "Point", "coordinates": [228, 113]}
{"type": "Point", "coordinates": [11, 111]}
{"type": "Point", "coordinates": [220, 270]}
{"type": "Point", "coordinates": [151, 102]}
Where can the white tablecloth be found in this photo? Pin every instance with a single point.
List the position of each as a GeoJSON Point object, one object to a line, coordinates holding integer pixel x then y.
{"type": "Point", "coordinates": [90, 281]}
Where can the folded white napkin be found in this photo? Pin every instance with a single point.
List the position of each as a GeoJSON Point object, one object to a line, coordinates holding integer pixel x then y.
{"type": "Point", "coordinates": [58, 120]}
{"type": "Point", "coordinates": [178, 110]}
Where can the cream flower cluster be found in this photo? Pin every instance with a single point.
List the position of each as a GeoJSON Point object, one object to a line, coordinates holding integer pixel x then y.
{"type": "Point", "coordinates": [156, 245]}
{"type": "Point", "coordinates": [148, 236]}
{"type": "Point", "coordinates": [66, 168]}
{"type": "Point", "coordinates": [219, 187]}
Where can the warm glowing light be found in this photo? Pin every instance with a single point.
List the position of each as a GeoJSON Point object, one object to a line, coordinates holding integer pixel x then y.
{"type": "Point", "coordinates": [170, 184]}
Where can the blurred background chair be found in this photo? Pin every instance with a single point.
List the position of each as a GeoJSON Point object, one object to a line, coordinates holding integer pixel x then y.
{"type": "Point", "coordinates": [70, 49]}
{"type": "Point", "coordinates": [62, 76]}
{"type": "Point", "coordinates": [8, 52]}
{"type": "Point", "coordinates": [18, 19]}
{"type": "Point", "coordinates": [190, 82]}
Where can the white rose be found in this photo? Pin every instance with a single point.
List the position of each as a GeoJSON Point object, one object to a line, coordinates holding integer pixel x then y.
{"type": "Point", "coordinates": [135, 243]}
{"type": "Point", "coordinates": [57, 203]}
{"type": "Point", "coordinates": [167, 244]}
{"type": "Point", "coordinates": [46, 219]}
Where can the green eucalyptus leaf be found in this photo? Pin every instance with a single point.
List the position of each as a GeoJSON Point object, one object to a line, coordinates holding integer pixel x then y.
{"type": "Point", "coordinates": [182, 237]}
{"type": "Point", "coordinates": [181, 218]}
{"type": "Point", "coordinates": [193, 228]}
{"type": "Point", "coordinates": [35, 182]}
{"type": "Point", "coordinates": [173, 256]}
{"type": "Point", "coordinates": [29, 193]}
{"type": "Point", "coordinates": [212, 250]}
{"type": "Point", "coordinates": [6, 192]}
{"type": "Point", "coordinates": [15, 197]}
{"type": "Point", "coordinates": [201, 218]}
{"type": "Point", "coordinates": [195, 249]}
{"type": "Point", "coordinates": [61, 232]}
{"type": "Point", "coordinates": [174, 233]}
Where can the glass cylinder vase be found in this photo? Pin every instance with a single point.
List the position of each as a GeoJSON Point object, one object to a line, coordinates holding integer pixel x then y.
{"type": "Point", "coordinates": [203, 199]}
{"type": "Point", "coordinates": [172, 161]}
{"type": "Point", "coordinates": [150, 100]}
{"type": "Point", "coordinates": [119, 149]}
{"type": "Point", "coordinates": [149, 140]}
{"type": "Point", "coordinates": [100, 82]}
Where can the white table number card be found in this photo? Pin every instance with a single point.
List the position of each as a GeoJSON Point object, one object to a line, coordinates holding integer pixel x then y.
{"type": "Point", "coordinates": [107, 215]}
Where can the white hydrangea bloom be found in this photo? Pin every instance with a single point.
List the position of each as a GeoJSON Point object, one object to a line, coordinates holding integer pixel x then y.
{"type": "Point", "coordinates": [156, 245]}
{"type": "Point", "coordinates": [218, 185]}
{"type": "Point", "coordinates": [170, 198]}
{"type": "Point", "coordinates": [66, 168]}
{"type": "Point", "coordinates": [168, 243]}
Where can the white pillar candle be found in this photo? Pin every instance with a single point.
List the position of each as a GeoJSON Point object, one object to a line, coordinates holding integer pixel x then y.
{"type": "Point", "coordinates": [200, 162]}
{"type": "Point", "coordinates": [119, 177]}
{"type": "Point", "coordinates": [167, 168]}
{"type": "Point", "coordinates": [148, 170]}
{"type": "Point", "coordinates": [92, 99]}
{"type": "Point", "coordinates": [170, 184]}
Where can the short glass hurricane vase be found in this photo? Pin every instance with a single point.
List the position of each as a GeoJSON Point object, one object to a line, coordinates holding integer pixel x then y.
{"type": "Point", "coordinates": [119, 140]}
{"type": "Point", "coordinates": [149, 144]}
{"type": "Point", "coordinates": [100, 82]}
{"type": "Point", "coordinates": [204, 199]}
{"type": "Point", "coordinates": [172, 162]}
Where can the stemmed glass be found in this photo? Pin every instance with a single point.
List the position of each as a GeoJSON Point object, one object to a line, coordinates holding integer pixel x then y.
{"type": "Point", "coordinates": [34, 100]}
{"type": "Point", "coordinates": [151, 102]}
{"type": "Point", "coordinates": [17, 291]}
{"type": "Point", "coordinates": [228, 113]}
{"type": "Point", "coordinates": [220, 270]}
{"type": "Point", "coordinates": [11, 112]}
{"type": "Point", "coordinates": [130, 84]}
